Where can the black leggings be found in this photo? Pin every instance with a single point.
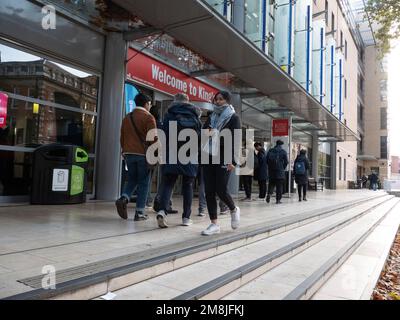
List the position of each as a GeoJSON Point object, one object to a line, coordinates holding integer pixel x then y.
{"type": "Point", "coordinates": [216, 179]}
{"type": "Point", "coordinates": [302, 187]}
{"type": "Point", "coordinates": [262, 184]}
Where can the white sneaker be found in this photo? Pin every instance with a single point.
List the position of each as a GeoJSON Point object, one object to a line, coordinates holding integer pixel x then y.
{"type": "Point", "coordinates": [187, 222]}
{"type": "Point", "coordinates": [212, 229]}
{"type": "Point", "coordinates": [162, 219]}
{"type": "Point", "coordinates": [235, 218]}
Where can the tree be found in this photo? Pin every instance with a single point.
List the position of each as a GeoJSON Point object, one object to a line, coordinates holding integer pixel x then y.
{"type": "Point", "coordinates": [386, 13]}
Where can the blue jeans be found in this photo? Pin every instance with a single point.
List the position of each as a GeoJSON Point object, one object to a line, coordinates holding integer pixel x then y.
{"type": "Point", "coordinates": [187, 188]}
{"type": "Point", "coordinates": [138, 176]}
{"type": "Point", "coordinates": [375, 186]}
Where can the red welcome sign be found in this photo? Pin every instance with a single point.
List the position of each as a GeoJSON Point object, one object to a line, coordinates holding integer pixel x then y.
{"type": "Point", "coordinates": [3, 110]}
{"type": "Point", "coordinates": [160, 76]}
{"type": "Point", "coordinates": [280, 127]}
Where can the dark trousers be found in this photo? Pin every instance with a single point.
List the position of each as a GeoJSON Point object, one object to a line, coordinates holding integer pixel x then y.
{"type": "Point", "coordinates": [247, 181]}
{"type": "Point", "coordinates": [301, 187]}
{"type": "Point", "coordinates": [262, 184]}
{"type": "Point", "coordinates": [278, 184]}
{"type": "Point", "coordinates": [216, 179]}
{"type": "Point", "coordinates": [168, 187]}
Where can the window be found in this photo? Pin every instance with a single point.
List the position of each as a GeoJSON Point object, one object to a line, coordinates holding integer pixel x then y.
{"type": "Point", "coordinates": [53, 121]}
{"type": "Point", "coordinates": [341, 40]}
{"type": "Point", "coordinates": [345, 49]}
{"type": "Point", "coordinates": [340, 168]}
{"type": "Point", "coordinates": [344, 169]}
{"type": "Point", "coordinates": [333, 22]}
{"type": "Point", "coordinates": [384, 154]}
{"type": "Point", "coordinates": [10, 69]}
{"type": "Point", "coordinates": [383, 118]}
{"type": "Point", "coordinates": [24, 69]}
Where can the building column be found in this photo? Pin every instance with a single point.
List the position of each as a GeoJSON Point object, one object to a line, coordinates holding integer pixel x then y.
{"type": "Point", "coordinates": [239, 15]}
{"type": "Point", "coordinates": [108, 172]}
{"type": "Point", "coordinates": [315, 147]}
{"type": "Point", "coordinates": [333, 165]}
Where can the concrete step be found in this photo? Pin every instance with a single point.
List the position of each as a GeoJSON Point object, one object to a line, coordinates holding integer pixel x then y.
{"type": "Point", "coordinates": [214, 277]}
{"type": "Point", "coordinates": [301, 276]}
{"type": "Point", "coordinates": [357, 277]}
{"type": "Point", "coordinates": [93, 280]}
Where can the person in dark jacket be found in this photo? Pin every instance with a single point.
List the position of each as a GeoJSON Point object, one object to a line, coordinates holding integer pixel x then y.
{"type": "Point", "coordinates": [186, 116]}
{"type": "Point", "coordinates": [373, 178]}
{"type": "Point", "coordinates": [277, 161]}
{"type": "Point", "coordinates": [261, 172]}
{"type": "Point", "coordinates": [218, 169]}
{"type": "Point", "coordinates": [300, 170]}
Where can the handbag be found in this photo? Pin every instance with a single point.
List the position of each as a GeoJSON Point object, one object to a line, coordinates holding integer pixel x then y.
{"type": "Point", "coordinates": [145, 145]}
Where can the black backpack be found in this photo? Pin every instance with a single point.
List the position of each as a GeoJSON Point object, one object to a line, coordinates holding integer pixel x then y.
{"type": "Point", "coordinates": [274, 160]}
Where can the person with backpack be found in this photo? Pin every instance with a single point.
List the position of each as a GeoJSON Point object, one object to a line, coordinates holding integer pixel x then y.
{"type": "Point", "coordinates": [261, 171]}
{"type": "Point", "coordinates": [186, 116]}
{"type": "Point", "coordinates": [134, 129]}
{"type": "Point", "coordinates": [300, 170]}
{"type": "Point", "coordinates": [218, 169]}
{"type": "Point", "coordinates": [277, 161]}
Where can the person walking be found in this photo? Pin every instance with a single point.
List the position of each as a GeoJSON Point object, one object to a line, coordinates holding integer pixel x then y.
{"type": "Point", "coordinates": [217, 172]}
{"type": "Point", "coordinates": [261, 172]}
{"type": "Point", "coordinates": [134, 129]}
{"type": "Point", "coordinates": [186, 116]}
{"type": "Point", "coordinates": [300, 170]}
{"type": "Point", "coordinates": [374, 180]}
{"type": "Point", "coordinates": [248, 171]}
{"type": "Point", "coordinates": [277, 162]}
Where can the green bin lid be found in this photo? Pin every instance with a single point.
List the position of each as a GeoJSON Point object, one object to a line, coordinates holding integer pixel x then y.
{"type": "Point", "coordinates": [81, 155]}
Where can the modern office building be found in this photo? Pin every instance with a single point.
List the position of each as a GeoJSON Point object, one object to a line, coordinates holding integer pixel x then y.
{"type": "Point", "coordinates": [375, 148]}
{"type": "Point", "coordinates": [280, 59]}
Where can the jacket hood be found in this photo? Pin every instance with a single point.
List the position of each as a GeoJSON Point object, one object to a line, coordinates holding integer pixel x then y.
{"type": "Point", "coordinates": [184, 108]}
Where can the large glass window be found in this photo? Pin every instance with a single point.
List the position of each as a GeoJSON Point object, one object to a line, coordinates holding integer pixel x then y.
{"type": "Point", "coordinates": [47, 103]}
{"type": "Point", "coordinates": [254, 21]}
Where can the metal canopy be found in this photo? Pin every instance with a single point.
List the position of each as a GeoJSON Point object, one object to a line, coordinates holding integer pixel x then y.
{"type": "Point", "coordinates": [195, 24]}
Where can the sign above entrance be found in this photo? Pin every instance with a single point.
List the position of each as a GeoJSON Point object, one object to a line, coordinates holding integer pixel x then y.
{"type": "Point", "coordinates": [280, 127]}
{"type": "Point", "coordinates": [160, 76]}
{"type": "Point", "coordinates": [3, 110]}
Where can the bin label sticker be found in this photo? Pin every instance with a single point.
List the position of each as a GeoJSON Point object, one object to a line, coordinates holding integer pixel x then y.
{"type": "Point", "coordinates": [77, 180]}
{"type": "Point", "coordinates": [60, 180]}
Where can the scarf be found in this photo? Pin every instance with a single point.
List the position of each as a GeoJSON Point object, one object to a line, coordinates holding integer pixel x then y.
{"type": "Point", "coordinates": [219, 118]}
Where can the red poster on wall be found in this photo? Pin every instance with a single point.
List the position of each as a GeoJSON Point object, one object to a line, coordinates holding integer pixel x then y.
{"type": "Point", "coordinates": [3, 110]}
{"type": "Point", "coordinates": [280, 127]}
{"type": "Point", "coordinates": [150, 72]}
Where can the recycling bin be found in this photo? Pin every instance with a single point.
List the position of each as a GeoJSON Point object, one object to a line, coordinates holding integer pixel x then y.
{"type": "Point", "coordinates": [59, 173]}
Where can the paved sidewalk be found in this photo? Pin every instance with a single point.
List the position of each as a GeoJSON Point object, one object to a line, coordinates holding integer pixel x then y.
{"type": "Point", "coordinates": [68, 236]}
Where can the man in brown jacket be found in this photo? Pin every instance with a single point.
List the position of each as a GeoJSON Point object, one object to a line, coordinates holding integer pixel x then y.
{"type": "Point", "coordinates": [134, 129]}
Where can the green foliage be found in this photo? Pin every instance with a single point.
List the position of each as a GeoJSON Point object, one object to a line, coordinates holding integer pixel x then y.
{"type": "Point", "coordinates": [386, 13]}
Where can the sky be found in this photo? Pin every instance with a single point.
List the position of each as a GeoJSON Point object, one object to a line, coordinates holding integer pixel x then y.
{"type": "Point", "coordinates": [394, 99]}
{"type": "Point", "coordinates": [10, 54]}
